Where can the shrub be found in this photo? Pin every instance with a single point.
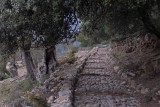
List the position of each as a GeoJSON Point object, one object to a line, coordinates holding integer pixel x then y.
{"type": "Point", "coordinates": [36, 99]}
{"type": "Point", "coordinates": [28, 84]}
{"type": "Point", "coordinates": [12, 89]}
{"type": "Point", "coordinates": [29, 99]}
{"type": "Point", "coordinates": [105, 42]}
{"type": "Point", "coordinates": [67, 58]}
{"type": "Point", "coordinates": [83, 39]}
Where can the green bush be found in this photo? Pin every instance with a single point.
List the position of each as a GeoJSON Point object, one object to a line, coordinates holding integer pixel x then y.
{"type": "Point", "coordinates": [83, 39]}
{"type": "Point", "coordinates": [105, 42]}
{"type": "Point", "coordinates": [28, 84]}
{"type": "Point", "coordinates": [29, 99]}
{"type": "Point", "coordinates": [67, 58]}
{"type": "Point", "coordinates": [13, 89]}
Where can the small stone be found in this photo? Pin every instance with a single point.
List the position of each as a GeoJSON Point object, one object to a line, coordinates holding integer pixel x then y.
{"type": "Point", "coordinates": [66, 86]}
{"type": "Point", "coordinates": [55, 105]}
{"type": "Point", "coordinates": [64, 93]}
{"type": "Point", "coordinates": [131, 74]}
{"type": "Point", "coordinates": [123, 100]}
{"type": "Point", "coordinates": [158, 92]}
{"type": "Point", "coordinates": [124, 83]}
{"type": "Point", "coordinates": [144, 90]}
{"type": "Point", "coordinates": [116, 68]}
{"type": "Point", "coordinates": [52, 90]}
{"type": "Point", "coordinates": [50, 99]}
{"type": "Point", "coordinates": [62, 99]}
{"type": "Point", "coordinates": [66, 105]}
{"type": "Point", "coordinates": [129, 90]}
{"type": "Point", "coordinates": [154, 99]}
{"type": "Point", "coordinates": [124, 76]}
{"type": "Point", "coordinates": [133, 84]}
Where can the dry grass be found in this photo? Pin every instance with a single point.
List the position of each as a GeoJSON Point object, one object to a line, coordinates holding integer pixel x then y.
{"type": "Point", "coordinates": [12, 89]}
{"type": "Point", "coordinates": [67, 58]}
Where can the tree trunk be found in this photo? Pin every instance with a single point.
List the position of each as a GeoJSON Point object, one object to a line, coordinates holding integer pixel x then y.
{"type": "Point", "coordinates": [47, 67]}
{"type": "Point", "coordinates": [28, 61]}
{"type": "Point", "coordinates": [50, 60]}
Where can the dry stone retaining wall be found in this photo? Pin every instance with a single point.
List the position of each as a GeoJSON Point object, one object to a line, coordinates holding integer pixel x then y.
{"type": "Point", "coordinates": [65, 95]}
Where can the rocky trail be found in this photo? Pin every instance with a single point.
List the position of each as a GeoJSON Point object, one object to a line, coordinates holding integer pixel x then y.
{"type": "Point", "coordinates": [98, 86]}
{"type": "Point", "coordinates": [92, 82]}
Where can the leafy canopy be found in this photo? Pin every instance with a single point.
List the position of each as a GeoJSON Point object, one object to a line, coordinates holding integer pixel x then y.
{"type": "Point", "coordinates": [35, 22]}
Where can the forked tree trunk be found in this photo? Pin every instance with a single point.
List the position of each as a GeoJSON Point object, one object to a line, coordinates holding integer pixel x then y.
{"type": "Point", "coordinates": [27, 59]}
{"type": "Point", "coordinates": [50, 60]}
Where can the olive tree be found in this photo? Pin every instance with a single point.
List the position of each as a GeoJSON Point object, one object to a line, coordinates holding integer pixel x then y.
{"type": "Point", "coordinates": [36, 23]}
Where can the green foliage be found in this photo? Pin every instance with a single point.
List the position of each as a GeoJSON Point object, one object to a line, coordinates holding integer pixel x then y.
{"type": "Point", "coordinates": [35, 23]}
{"type": "Point", "coordinates": [105, 42]}
{"type": "Point", "coordinates": [38, 23]}
{"type": "Point", "coordinates": [122, 16]}
{"type": "Point", "coordinates": [34, 101]}
{"type": "Point", "coordinates": [90, 37]}
{"type": "Point", "coordinates": [12, 89]}
{"type": "Point", "coordinates": [29, 99]}
{"type": "Point", "coordinates": [7, 89]}
{"type": "Point", "coordinates": [28, 84]}
{"type": "Point", "coordinates": [83, 39]}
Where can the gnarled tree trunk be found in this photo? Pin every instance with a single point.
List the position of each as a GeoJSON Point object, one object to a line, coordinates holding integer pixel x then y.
{"type": "Point", "coordinates": [28, 61]}
{"type": "Point", "coordinates": [50, 59]}
{"type": "Point", "coordinates": [47, 67]}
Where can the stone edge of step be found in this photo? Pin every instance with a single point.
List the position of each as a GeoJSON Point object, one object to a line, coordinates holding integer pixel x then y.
{"type": "Point", "coordinates": [66, 94]}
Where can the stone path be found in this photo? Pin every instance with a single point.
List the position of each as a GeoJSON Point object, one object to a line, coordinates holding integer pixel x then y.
{"type": "Point", "coordinates": [99, 87]}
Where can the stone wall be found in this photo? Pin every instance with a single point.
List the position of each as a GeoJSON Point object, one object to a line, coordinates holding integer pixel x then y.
{"type": "Point", "coordinates": [139, 42]}
{"type": "Point", "coordinates": [65, 95]}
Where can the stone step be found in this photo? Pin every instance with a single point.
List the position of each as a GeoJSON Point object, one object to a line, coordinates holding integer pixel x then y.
{"type": "Point", "coordinates": [95, 61]}
{"type": "Point", "coordinates": [99, 87]}
{"type": "Point", "coordinates": [97, 83]}
{"type": "Point", "coordinates": [96, 71]}
{"type": "Point", "coordinates": [98, 55]}
{"type": "Point", "coordinates": [92, 74]}
{"type": "Point", "coordinates": [94, 57]}
{"type": "Point", "coordinates": [101, 59]}
{"type": "Point", "coordinates": [101, 54]}
{"type": "Point", "coordinates": [95, 65]}
{"type": "Point", "coordinates": [89, 67]}
{"type": "Point", "coordinates": [97, 93]}
{"type": "Point", "coordinates": [105, 101]}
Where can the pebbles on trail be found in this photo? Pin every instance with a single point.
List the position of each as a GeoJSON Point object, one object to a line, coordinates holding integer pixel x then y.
{"type": "Point", "coordinates": [99, 87]}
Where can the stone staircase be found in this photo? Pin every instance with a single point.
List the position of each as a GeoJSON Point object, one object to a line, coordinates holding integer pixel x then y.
{"type": "Point", "coordinates": [99, 87]}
